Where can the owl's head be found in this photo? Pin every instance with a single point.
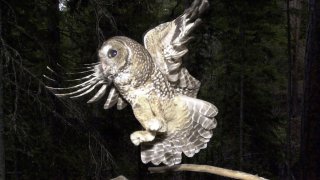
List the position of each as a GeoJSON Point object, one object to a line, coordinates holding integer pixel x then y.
{"type": "Point", "coordinates": [114, 56]}
{"type": "Point", "coordinates": [123, 61]}
{"type": "Point", "coordinates": [121, 54]}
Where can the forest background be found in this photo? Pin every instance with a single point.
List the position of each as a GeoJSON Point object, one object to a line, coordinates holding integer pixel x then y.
{"type": "Point", "coordinates": [249, 56]}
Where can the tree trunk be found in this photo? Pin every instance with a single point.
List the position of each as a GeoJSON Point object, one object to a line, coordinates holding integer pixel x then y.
{"type": "Point", "coordinates": [2, 155]}
{"type": "Point", "coordinates": [241, 122]}
{"type": "Point", "coordinates": [241, 105]}
{"type": "Point", "coordinates": [296, 57]}
{"type": "Point", "coordinates": [54, 32]}
{"type": "Point", "coordinates": [289, 95]}
{"type": "Point", "coordinates": [310, 145]}
{"type": "Point", "coordinates": [54, 58]}
{"type": "Point", "coordinates": [295, 78]}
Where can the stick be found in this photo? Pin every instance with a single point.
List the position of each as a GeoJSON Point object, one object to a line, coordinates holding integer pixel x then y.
{"type": "Point", "coordinates": [206, 169]}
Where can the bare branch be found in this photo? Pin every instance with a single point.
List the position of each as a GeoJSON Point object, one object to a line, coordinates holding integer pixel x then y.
{"type": "Point", "coordinates": [206, 169]}
{"type": "Point", "coordinates": [121, 177]}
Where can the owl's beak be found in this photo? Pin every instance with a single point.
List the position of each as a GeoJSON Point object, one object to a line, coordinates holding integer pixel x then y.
{"type": "Point", "coordinates": [107, 72]}
{"type": "Point", "coordinates": [110, 79]}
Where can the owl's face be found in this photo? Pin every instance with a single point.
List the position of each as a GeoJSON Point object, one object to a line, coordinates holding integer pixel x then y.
{"type": "Point", "coordinates": [114, 55]}
{"type": "Point", "coordinates": [123, 61]}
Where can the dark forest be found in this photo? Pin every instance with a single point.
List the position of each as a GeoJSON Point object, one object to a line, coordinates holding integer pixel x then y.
{"type": "Point", "coordinates": [258, 61]}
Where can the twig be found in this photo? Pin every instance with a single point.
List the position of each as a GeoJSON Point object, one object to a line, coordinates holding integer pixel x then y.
{"type": "Point", "coordinates": [206, 169]}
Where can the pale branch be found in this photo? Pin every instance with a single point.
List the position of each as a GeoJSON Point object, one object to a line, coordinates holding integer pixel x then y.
{"type": "Point", "coordinates": [206, 169]}
{"type": "Point", "coordinates": [121, 177]}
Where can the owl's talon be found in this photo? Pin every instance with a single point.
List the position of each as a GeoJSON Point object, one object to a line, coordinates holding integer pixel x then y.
{"type": "Point", "coordinates": [154, 125]}
{"type": "Point", "coordinates": [139, 137]}
{"type": "Point", "coordinates": [136, 141]}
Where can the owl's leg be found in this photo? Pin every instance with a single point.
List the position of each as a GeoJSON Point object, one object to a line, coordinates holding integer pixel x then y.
{"type": "Point", "coordinates": [148, 114]}
{"type": "Point", "coordinates": [142, 136]}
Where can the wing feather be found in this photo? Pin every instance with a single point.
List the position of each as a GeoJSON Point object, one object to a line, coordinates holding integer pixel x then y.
{"type": "Point", "coordinates": [112, 99]}
{"type": "Point", "coordinates": [86, 85]}
{"type": "Point", "coordinates": [189, 140]}
{"type": "Point", "coordinates": [167, 45]}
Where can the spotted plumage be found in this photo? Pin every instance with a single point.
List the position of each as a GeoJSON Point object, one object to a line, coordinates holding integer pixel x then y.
{"type": "Point", "coordinates": [160, 91]}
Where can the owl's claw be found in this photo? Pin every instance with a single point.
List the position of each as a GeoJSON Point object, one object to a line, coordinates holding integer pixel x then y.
{"type": "Point", "coordinates": [135, 141]}
{"type": "Point", "coordinates": [156, 125]}
{"type": "Point", "coordinates": [139, 137]}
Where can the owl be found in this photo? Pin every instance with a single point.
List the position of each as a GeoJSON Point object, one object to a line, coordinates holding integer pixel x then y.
{"type": "Point", "coordinates": [161, 92]}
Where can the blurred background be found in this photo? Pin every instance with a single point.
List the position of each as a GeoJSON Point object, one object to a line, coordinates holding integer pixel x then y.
{"type": "Point", "coordinates": [249, 56]}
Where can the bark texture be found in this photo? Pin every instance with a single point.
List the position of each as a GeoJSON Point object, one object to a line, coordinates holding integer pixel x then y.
{"type": "Point", "coordinates": [2, 155]}
{"type": "Point", "coordinates": [311, 116]}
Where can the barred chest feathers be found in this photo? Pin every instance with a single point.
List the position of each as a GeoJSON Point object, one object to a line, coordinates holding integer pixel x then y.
{"type": "Point", "coordinates": [156, 86]}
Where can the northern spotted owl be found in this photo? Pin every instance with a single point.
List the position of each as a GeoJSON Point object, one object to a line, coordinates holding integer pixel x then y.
{"type": "Point", "coordinates": [159, 89]}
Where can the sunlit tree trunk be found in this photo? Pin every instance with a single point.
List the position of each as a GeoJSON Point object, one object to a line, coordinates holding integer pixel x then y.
{"type": "Point", "coordinates": [310, 145]}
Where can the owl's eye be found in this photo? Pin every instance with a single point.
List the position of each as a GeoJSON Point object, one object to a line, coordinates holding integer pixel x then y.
{"type": "Point", "coordinates": [112, 53]}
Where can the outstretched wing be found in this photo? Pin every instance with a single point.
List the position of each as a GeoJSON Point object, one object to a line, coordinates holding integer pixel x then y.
{"type": "Point", "coordinates": [91, 80]}
{"type": "Point", "coordinates": [167, 45]}
{"type": "Point", "coordinates": [189, 139]}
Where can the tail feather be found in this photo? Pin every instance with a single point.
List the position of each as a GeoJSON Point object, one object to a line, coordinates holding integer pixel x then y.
{"type": "Point", "coordinates": [157, 160]}
{"type": "Point", "coordinates": [168, 155]}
